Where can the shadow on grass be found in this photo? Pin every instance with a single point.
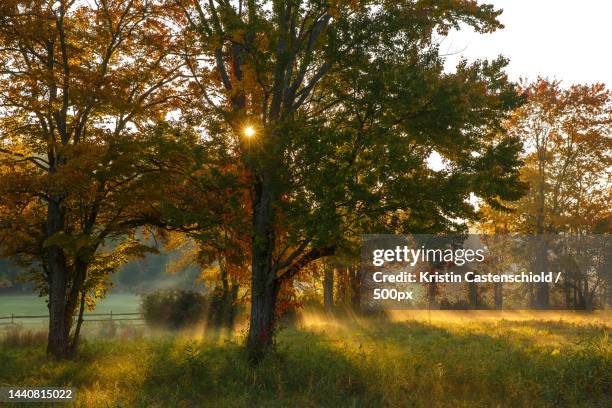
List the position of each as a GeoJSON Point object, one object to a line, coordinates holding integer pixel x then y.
{"type": "Point", "coordinates": [302, 373]}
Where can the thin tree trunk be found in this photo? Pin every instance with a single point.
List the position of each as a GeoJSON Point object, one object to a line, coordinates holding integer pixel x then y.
{"type": "Point", "coordinates": [77, 330]}
{"type": "Point", "coordinates": [355, 280]}
{"type": "Point", "coordinates": [499, 295]}
{"type": "Point", "coordinates": [225, 311]}
{"type": "Point", "coordinates": [231, 306]}
{"type": "Point", "coordinates": [77, 291]}
{"type": "Point", "coordinates": [587, 294]}
{"type": "Point", "coordinates": [542, 296]}
{"type": "Point", "coordinates": [432, 291]}
{"type": "Point", "coordinates": [473, 295]}
{"type": "Point", "coordinates": [328, 290]}
{"type": "Point", "coordinates": [567, 293]}
{"type": "Point", "coordinates": [575, 296]}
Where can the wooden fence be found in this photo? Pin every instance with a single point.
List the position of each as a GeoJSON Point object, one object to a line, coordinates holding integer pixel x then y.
{"type": "Point", "coordinates": [111, 317]}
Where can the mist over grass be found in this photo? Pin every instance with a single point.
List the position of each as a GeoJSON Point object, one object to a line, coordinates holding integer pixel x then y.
{"type": "Point", "coordinates": [424, 359]}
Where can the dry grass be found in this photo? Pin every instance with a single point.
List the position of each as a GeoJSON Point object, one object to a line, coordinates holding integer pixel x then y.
{"type": "Point", "coordinates": [15, 336]}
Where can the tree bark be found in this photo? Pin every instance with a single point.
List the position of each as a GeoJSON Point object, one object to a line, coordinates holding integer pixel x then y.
{"type": "Point", "coordinates": [58, 344]}
{"type": "Point", "coordinates": [262, 322]}
{"type": "Point", "coordinates": [264, 285]}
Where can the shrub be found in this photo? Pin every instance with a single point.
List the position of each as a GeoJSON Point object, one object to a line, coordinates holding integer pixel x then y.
{"type": "Point", "coordinates": [174, 308]}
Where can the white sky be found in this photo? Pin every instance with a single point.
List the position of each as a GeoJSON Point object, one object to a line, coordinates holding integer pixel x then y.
{"type": "Point", "coordinates": [568, 40]}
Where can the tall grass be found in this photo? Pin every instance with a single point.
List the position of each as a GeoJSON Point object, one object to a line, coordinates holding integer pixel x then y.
{"type": "Point", "coordinates": [17, 336]}
{"type": "Point", "coordinates": [341, 363]}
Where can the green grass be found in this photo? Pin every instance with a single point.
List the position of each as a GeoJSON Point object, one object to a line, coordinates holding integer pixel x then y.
{"type": "Point", "coordinates": [349, 363]}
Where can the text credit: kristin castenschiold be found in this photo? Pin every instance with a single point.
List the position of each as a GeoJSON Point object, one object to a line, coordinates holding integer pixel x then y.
{"type": "Point", "coordinates": [399, 271]}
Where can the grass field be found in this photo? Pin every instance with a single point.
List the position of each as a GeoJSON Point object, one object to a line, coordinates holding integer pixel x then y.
{"type": "Point", "coordinates": [436, 360]}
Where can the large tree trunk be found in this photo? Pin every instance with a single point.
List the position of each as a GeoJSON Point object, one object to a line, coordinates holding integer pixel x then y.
{"type": "Point", "coordinates": [264, 285]}
{"type": "Point", "coordinates": [262, 322]}
{"type": "Point", "coordinates": [58, 344]}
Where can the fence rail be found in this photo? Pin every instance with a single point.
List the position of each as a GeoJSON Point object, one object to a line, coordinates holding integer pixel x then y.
{"type": "Point", "coordinates": [114, 317]}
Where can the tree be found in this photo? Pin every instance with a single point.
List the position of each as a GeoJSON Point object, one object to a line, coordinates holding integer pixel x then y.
{"type": "Point", "coordinates": [78, 81]}
{"type": "Point", "coordinates": [566, 133]}
{"type": "Point", "coordinates": [333, 108]}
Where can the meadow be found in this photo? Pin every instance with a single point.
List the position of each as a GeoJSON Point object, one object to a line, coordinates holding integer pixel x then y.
{"type": "Point", "coordinates": [406, 359]}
